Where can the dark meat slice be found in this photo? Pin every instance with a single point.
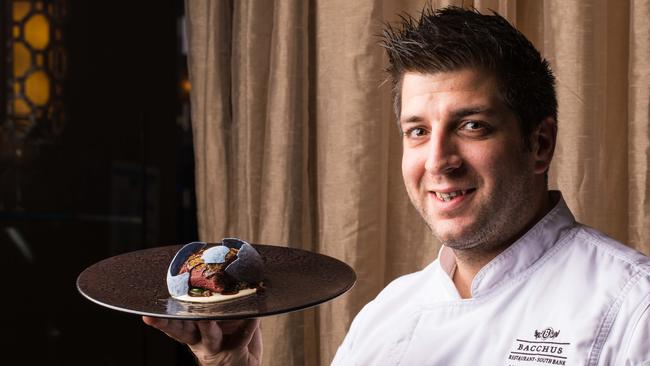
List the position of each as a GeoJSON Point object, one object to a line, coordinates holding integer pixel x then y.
{"type": "Point", "coordinates": [209, 276]}
{"type": "Point", "coordinates": [198, 279]}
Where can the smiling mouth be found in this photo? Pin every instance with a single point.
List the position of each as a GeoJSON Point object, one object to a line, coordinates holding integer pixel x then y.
{"type": "Point", "coordinates": [448, 196]}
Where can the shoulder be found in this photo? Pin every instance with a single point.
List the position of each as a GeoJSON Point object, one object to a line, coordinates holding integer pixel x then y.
{"type": "Point", "coordinates": [607, 265]}
{"type": "Point", "coordinates": [622, 275]}
{"type": "Point", "coordinates": [609, 252]}
{"type": "Point", "coordinates": [614, 274]}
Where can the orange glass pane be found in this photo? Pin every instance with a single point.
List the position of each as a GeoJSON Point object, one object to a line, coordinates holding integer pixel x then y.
{"type": "Point", "coordinates": [37, 31]}
{"type": "Point", "coordinates": [37, 88]}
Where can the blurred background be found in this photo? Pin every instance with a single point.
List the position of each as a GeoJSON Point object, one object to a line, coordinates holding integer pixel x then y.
{"type": "Point", "coordinates": [96, 160]}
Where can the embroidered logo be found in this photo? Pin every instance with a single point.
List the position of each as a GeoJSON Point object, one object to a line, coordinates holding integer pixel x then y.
{"type": "Point", "coordinates": [546, 333]}
{"type": "Point", "coordinates": [544, 348]}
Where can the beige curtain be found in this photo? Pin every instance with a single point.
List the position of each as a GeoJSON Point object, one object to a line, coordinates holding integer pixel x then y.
{"type": "Point", "coordinates": [296, 145]}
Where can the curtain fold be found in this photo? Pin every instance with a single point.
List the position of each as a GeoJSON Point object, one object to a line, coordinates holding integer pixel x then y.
{"type": "Point", "coordinates": [638, 107]}
{"type": "Point", "coordinates": [209, 35]}
{"type": "Point", "coordinates": [296, 143]}
{"type": "Point", "coordinates": [587, 47]}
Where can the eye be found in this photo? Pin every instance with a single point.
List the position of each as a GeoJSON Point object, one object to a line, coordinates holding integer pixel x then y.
{"type": "Point", "coordinates": [475, 128]}
{"type": "Point", "coordinates": [414, 132]}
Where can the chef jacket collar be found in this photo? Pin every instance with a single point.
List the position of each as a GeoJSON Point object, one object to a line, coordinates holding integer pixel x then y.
{"type": "Point", "coordinates": [522, 254]}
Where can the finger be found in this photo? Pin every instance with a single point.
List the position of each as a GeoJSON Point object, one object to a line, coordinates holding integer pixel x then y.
{"type": "Point", "coordinates": [244, 337]}
{"type": "Point", "coordinates": [211, 335]}
{"type": "Point", "coordinates": [181, 330]}
{"type": "Point", "coordinates": [229, 327]}
{"type": "Point", "coordinates": [255, 347]}
{"type": "Point", "coordinates": [154, 322]}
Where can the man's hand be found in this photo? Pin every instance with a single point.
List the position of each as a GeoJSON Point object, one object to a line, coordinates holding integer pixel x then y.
{"type": "Point", "coordinates": [216, 343]}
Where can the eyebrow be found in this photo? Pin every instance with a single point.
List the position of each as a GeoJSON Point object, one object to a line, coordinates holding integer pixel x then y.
{"type": "Point", "coordinates": [457, 114]}
{"type": "Point", "coordinates": [468, 111]}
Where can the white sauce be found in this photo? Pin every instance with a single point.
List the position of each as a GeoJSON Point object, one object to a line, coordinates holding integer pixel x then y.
{"type": "Point", "coordinates": [216, 297]}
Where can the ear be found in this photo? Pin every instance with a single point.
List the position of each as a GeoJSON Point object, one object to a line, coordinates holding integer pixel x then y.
{"type": "Point", "coordinates": [543, 144]}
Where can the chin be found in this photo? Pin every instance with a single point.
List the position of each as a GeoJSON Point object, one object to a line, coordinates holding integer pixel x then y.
{"type": "Point", "coordinates": [451, 229]}
{"type": "Point", "coordinates": [450, 239]}
{"type": "Point", "coordinates": [458, 239]}
{"type": "Point", "coordinates": [462, 245]}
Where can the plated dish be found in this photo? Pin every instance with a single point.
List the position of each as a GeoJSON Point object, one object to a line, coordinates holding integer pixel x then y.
{"type": "Point", "coordinates": [206, 273]}
{"type": "Point", "coordinates": [293, 279]}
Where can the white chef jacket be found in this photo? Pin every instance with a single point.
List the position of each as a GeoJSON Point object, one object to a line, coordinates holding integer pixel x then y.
{"type": "Point", "coordinates": [563, 294]}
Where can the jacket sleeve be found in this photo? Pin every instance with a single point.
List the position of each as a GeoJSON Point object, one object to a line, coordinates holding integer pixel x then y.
{"type": "Point", "coordinates": [638, 343]}
{"type": "Point", "coordinates": [345, 354]}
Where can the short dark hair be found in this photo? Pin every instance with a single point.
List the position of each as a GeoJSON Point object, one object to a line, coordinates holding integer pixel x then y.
{"type": "Point", "coordinates": [454, 38]}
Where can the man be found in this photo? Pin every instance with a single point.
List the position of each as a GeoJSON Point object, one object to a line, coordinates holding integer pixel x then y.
{"type": "Point", "coordinates": [517, 281]}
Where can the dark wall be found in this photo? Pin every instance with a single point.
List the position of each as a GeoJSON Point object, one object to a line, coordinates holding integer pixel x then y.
{"type": "Point", "coordinates": [118, 178]}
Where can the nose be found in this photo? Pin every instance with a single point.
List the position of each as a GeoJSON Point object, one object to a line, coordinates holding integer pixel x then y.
{"type": "Point", "coordinates": [442, 155]}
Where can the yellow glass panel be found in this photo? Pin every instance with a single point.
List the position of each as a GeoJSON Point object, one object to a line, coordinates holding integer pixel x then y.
{"type": "Point", "coordinates": [16, 31]}
{"type": "Point", "coordinates": [21, 107]}
{"type": "Point", "coordinates": [21, 8]}
{"type": "Point", "coordinates": [37, 88]}
{"type": "Point", "coordinates": [37, 31]}
{"type": "Point", "coordinates": [39, 60]}
{"type": "Point", "coordinates": [16, 88]}
{"type": "Point", "coordinates": [22, 59]}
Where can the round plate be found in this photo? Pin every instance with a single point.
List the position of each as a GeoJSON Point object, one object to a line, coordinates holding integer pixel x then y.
{"type": "Point", "coordinates": [294, 279]}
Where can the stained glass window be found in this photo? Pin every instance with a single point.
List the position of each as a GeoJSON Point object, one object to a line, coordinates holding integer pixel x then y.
{"type": "Point", "coordinates": [33, 71]}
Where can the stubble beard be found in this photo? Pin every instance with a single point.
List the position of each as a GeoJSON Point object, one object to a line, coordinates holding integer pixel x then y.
{"type": "Point", "coordinates": [497, 222]}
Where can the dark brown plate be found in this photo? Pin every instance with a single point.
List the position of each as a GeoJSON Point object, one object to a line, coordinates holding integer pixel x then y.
{"type": "Point", "coordinates": [294, 280]}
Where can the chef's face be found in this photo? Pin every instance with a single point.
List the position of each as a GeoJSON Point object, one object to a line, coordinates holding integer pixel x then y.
{"type": "Point", "coordinates": [465, 165]}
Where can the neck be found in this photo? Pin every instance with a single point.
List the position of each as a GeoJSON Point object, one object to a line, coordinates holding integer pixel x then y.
{"type": "Point", "coordinates": [468, 264]}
